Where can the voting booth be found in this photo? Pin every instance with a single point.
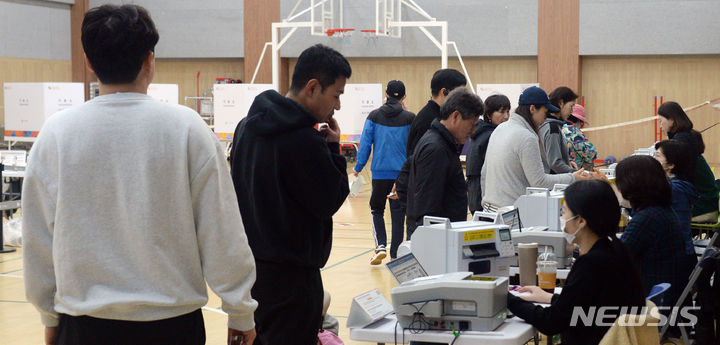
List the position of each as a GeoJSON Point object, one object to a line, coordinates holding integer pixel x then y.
{"type": "Point", "coordinates": [355, 105]}
{"type": "Point", "coordinates": [166, 93]}
{"type": "Point", "coordinates": [28, 105]}
{"type": "Point", "coordinates": [231, 103]}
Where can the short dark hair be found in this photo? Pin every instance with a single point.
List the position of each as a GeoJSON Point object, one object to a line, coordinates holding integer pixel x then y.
{"type": "Point", "coordinates": [495, 103]}
{"type": "Point", "coordinates": [642, 181]}
{"type": "Point", "coordinates": [682, 156]}
{"type": "Point", "coordinates": [448, 79]}
{"type": "Point", "coordinates": [322, 63]}
{"type": "Point", "coordinates": [461, 99]}
{"type": "Point", "coordinates": [595, 201]}
{"type": "Point", "coordinates": [673, 111]}
{"type": "Point", "coordinates": [562, 93]}
{"type": "Point", "coordinates": [117, 40]}
{"type": "Point", "coordinates": [524, 111]}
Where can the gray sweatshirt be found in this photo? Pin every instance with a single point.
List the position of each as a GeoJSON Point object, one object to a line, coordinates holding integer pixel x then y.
{"type": "Point", "coordinates": [556, 148]}
{"type": "Point", "coordinates": [513, 163]}
{"type": "Point", "coordinates": [128, 210]}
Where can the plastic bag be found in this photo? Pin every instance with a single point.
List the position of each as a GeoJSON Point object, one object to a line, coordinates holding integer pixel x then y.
{"type": "Point", "coordinates": [328, 338]}
{"type": "Point", "coordinates": [12, 232]}
{"type": "Point", "coordinates": [356, 186]}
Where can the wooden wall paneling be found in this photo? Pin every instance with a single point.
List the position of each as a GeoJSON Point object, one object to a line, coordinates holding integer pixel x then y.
{"type": "Point", "coordinates": [31, 70]}
{"type": "Point", "coordinates": [620, 89]}
{"type": "Point", "coordinates": [184, 73]}
{"type": "Point", "coordinates": [417, 73]}
{"type": "Point", "coordinates": [80, 73]}
{"type": "Point", "coordinates": [259, 15]}
{"type": "Point", "coordinates": [559, 44]}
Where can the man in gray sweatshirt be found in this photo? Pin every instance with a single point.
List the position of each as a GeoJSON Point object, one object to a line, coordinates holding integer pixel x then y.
{"type": "Point", "coordinates": [128, 207]}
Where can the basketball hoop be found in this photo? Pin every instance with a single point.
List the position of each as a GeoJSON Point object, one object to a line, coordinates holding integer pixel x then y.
{"type": "Point", "coordinates": [341, 34]}
{"type": "Point", "coordinates": [371, 37]}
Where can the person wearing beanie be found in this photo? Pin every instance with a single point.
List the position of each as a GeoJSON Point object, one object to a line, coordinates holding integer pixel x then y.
{"type": "Point", "coordinates": [581, 150]}
{"type": "Point", "coordinates": [386, 133]}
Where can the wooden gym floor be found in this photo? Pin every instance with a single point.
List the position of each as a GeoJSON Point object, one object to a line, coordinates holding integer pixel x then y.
{"type": "Point", "coordinates": [347, 274]}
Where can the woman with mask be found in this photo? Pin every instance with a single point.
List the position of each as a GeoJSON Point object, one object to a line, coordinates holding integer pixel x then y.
{"type": "Point", "coordinates": [603, 275]}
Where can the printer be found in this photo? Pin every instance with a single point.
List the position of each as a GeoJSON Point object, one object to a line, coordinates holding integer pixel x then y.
{"type": "Point", "coordinates": [481, 247]}
{"type": "Point", "coordinates": [455, 300]}
{"type": "Point", "coordinates": [542, 207]}
{"type": "Point", "coordinates": [551, 241]}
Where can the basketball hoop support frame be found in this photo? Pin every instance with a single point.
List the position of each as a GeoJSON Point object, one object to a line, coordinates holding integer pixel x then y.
{"type": "Point", "coordinates": [276, 43]}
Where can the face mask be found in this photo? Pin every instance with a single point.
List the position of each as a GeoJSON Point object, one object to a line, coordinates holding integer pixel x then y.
{"type": "Point", "coordinates": [568, 237]}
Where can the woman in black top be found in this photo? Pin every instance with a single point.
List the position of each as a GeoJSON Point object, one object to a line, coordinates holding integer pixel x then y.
{"type": "Point", "coordinates": [604, 275]}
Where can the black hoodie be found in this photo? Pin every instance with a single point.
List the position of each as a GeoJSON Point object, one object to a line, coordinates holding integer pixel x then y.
{"type": "Point", "coordinates": [289, 182]}
{"type": "Point", "coordinates": [478, 146]}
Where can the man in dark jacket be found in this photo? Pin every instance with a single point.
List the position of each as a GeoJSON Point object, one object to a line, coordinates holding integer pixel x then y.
{"type": "Point", "coordinates": [443, 81]}
{"type": "Point", "coordinates": [497, 111]}
{"type": "Point", "coordinates": [436, 182]}
{"type": "Point", "coordinates": [290, 179]}
{"type": "Point", "coordinates": [385, 133]}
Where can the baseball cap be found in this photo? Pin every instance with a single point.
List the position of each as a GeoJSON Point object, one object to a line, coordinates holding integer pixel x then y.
{"type": "Point", "coordinates": [395, 89]}
{"type": "Point", "coordinates": [537, 96]}
{"type": "Point", "coordinates": [579, 112]}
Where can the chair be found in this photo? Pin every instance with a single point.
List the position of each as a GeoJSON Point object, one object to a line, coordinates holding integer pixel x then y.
{"type": "Point", "coordinates": [704, 228]}
{"type": "Point", "coordinates": [657, 292]}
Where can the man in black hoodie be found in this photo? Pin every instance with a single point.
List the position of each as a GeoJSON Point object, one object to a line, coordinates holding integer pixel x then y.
{"type": "Point", "coordinates": [497, 111]}
{"type": "Point", "coordinates": [436, 184]}
{"type": "Point", "coordinates": [290, 179]}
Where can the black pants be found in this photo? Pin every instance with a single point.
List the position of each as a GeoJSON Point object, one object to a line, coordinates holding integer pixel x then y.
{"type": "Point", "coordinates": [380, 190]}
{"type": "Point", "coordinates": [290, 301]}
{"type": "Point", "coordinates": [474, 194]}
{"type": "Point", "coordinates": [188, 329]}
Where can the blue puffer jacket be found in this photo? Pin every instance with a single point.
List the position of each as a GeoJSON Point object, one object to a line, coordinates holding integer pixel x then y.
{"type": "Point", "coordinates": [386, 132]}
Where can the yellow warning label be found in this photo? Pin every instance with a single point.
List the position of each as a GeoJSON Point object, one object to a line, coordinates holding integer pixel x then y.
{"type": "Point", "coordinates": [479, 235]}
{"type": "Point", "coordinates": [482, 278]}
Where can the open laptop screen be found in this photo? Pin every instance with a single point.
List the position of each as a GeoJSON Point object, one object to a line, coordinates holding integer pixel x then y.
{"type": "Point", "coordinates": [406, 268]}
{"type": "Point", "coordinates": [511, 218]}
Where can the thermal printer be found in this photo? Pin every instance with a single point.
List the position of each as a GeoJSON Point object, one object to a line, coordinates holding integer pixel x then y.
{"type": "Point", "coordinates": [542, 207]}
{"type": "Point", "coordinates": [550, 241]}
{"type": "Point", "coordinates": [481, 247]}
{"type": "Point", "coordinates": [448, 301]}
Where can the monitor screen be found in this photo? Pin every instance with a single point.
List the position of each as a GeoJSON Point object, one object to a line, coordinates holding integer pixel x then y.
{"type": "Point", "coordinates": [406, 268]}
{"type": "Point", "coordinates": [511, 218]}
{"type": "Point", "coordinates": [504, 235]}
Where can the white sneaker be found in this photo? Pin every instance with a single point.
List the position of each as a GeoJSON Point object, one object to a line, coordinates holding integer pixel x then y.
{"type": "Point", "coordinates": [379, 255]}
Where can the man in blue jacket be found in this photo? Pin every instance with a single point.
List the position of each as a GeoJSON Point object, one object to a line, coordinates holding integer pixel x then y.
{"type": "Point", "coordinates": [386, 130]}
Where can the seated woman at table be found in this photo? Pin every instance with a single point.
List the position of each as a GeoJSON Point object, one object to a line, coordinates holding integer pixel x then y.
{"type": "Point", "coordinates": [654, 234]}
{"type": "Point", "coordinates": [603, 275]}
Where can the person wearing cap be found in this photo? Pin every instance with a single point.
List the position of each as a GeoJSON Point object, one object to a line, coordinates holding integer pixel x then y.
{"type": "Point", "coordinates": [513, 161]}
{"type": "Point", "coordinates": [581, 150]}
{"type": "Point", "coordinates": [386, 133]}
{"type": "Point", "coordinates": [556, 152]}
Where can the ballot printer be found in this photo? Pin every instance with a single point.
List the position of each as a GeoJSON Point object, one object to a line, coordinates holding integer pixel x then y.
{"type": "Point", "coordinates": [542, 207]}
{"type": "Point", "coordinates": [451, 301]}
{"type": "Point", "coordinates": [481, 247]}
